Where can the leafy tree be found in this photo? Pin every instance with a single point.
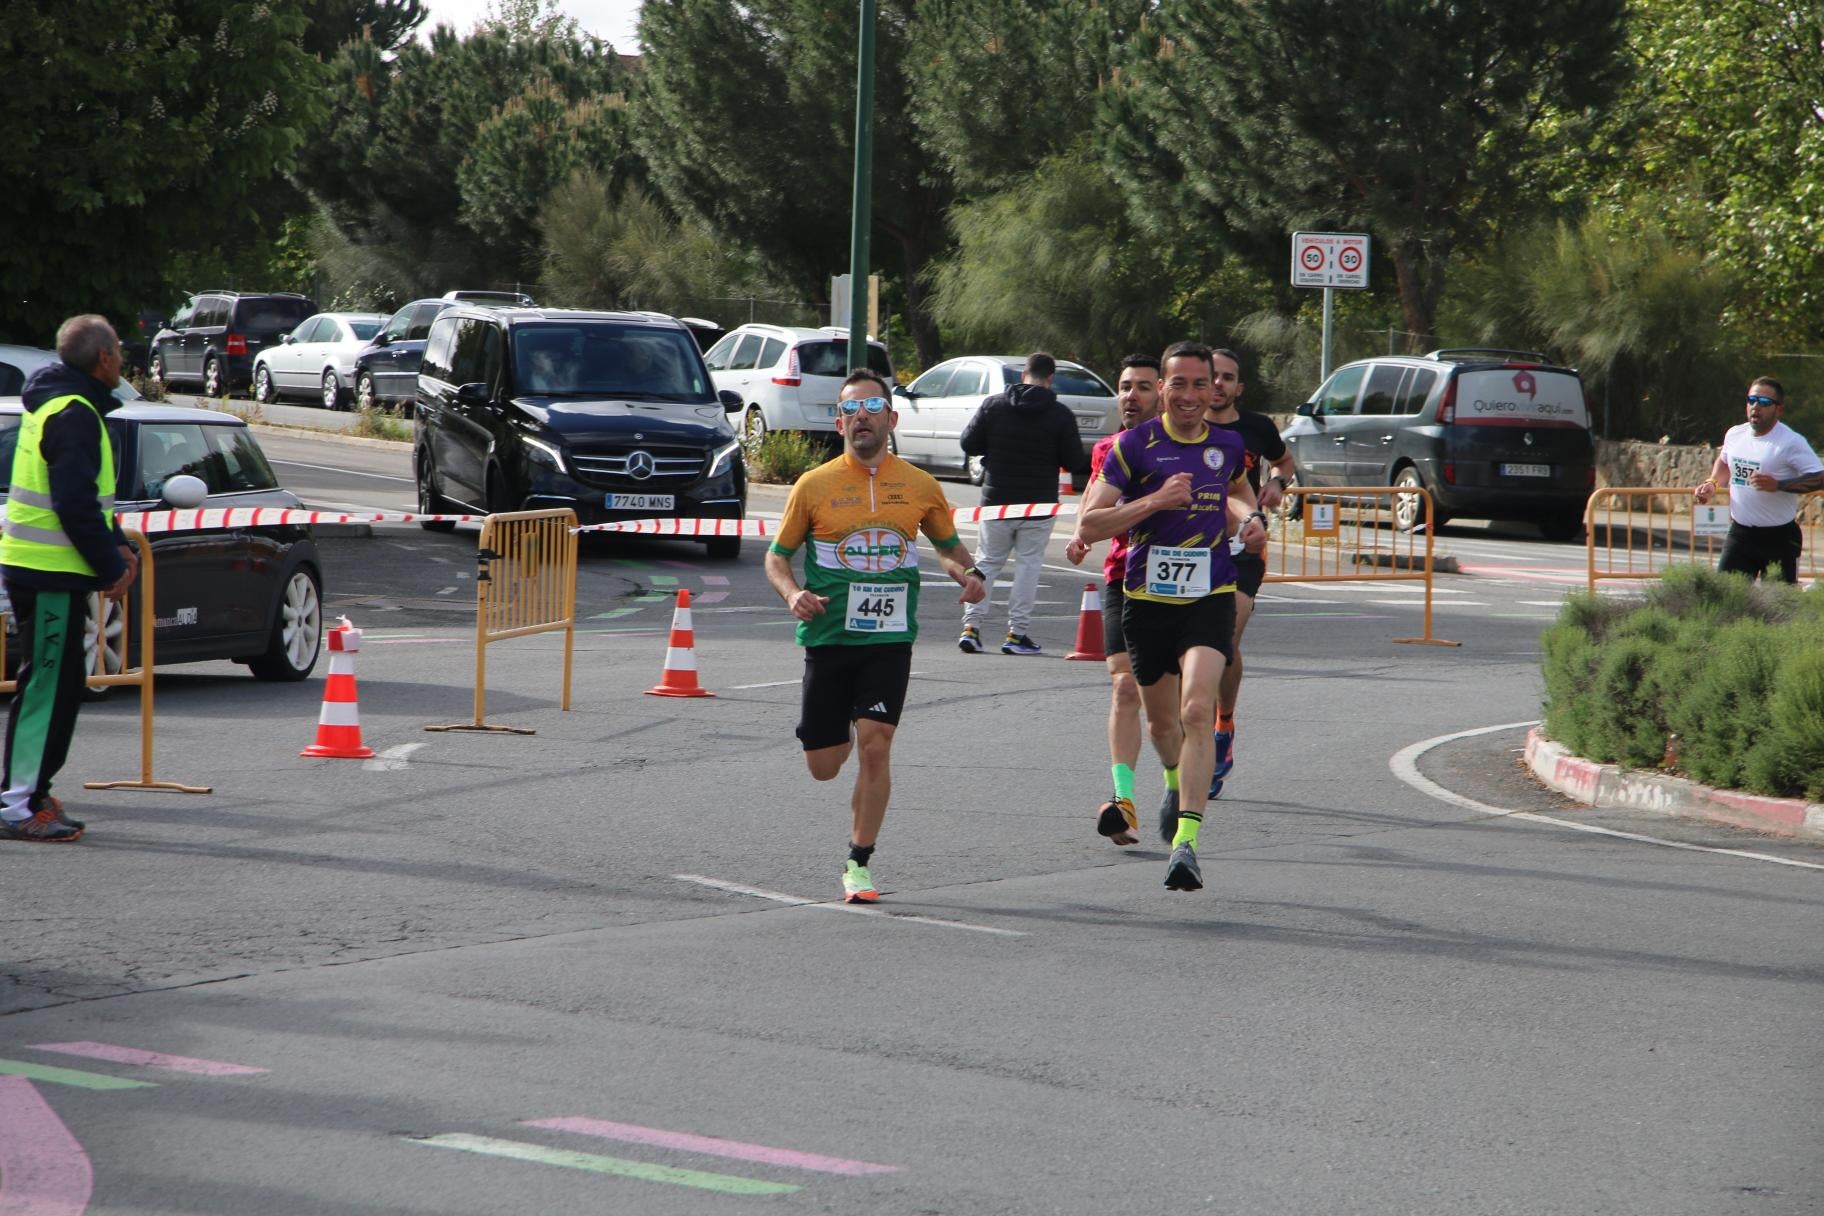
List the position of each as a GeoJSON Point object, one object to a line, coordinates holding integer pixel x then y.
{"type": "Point", "coordinates": [745, 118]}
{"type": "Point", "coordinates": [388, 24]}
{"type": "Point", "coordinates": [1423, 122]}
{"type": "Point", "coordinates": [135, 130]}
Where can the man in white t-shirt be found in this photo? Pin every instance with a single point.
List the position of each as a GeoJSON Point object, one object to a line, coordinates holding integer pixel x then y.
{"type": "Point", "coordinates": [1767, 465]}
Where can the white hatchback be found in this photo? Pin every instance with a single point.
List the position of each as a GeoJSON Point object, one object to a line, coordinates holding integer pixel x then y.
{"type": "Point", "coordinates": [317, 359]}
{"type": "Point", "coordinates": [789, 378]}
{"type": "Point", "coordinates": [934, 409]}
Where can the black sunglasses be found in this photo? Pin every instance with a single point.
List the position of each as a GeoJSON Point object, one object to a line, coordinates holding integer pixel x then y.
{"type": "Point", "coordinates": [873, 405]}
{"type": "Point", "coordinates": [1754, 399]}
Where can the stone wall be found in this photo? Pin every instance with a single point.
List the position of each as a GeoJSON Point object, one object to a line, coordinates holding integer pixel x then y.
{"type": "Point", "coordinates": [1632, 462]}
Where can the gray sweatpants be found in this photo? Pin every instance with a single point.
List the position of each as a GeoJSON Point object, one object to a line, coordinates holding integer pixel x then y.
{"type": "Point", "coordinates": [1025, 540]}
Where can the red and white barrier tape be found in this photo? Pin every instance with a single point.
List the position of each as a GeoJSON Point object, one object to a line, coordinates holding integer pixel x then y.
{"type": "Point", "coordinates": [156, 522]}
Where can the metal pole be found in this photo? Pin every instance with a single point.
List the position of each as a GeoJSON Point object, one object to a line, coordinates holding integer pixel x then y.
{"type": "Point", "coordinates": [1323, 371]}
{"type": "Point", "coordinates": [861, 211]}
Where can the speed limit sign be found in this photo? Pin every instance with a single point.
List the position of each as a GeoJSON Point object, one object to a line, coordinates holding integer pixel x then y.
{"type": "Point", "coordinates": [1330, 259]}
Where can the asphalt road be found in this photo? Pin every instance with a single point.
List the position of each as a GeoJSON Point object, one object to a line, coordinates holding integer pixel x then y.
{"type": "Point", "coordinates": [593, 968]}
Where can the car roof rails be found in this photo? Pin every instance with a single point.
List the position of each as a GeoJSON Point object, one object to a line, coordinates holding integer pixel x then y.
{"type": "Point", "coordinates": [1457, 354]}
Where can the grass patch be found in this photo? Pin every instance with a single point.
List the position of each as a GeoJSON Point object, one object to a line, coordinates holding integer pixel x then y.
{"type": "Point", "coordinates": [373, 422]}
{"type": "Point", "coordinates": [782, 457]}
{"type": "Point", "coordinates": [1722, 676]}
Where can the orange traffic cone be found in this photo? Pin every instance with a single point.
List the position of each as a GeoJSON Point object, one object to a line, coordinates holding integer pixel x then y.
{"type": "Point", "coordinates": [679, 679]}
{"type": "Point", "coordinates": [339, 724]}
{"type": "Point", "coordinates": [1064, 483]}
{"type": "Point", "coordinates": [1089, 627]}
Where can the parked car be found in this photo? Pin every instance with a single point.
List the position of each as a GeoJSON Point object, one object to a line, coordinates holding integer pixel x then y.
{"type": "Point", "coordinates": [18, 362]}
{"type": "Point", "coordinates": [1491, 434]}
{"type": "Point", "coordinates": [386, 369]}
{"type": "Point", "coordinates": [788, 378]}
{"type": "Point", "coordinates": [506, 299]}
{"type": "Point", "coordinates": [707, 333]}
{"type": "Point", "coordinates": [317, 359]}
{"type": "Point", "coordinates": [136, 343]}
{"type": "Point", "coordinates": [610, 413]}
{"type": "Point", "coordinates": [253, 595]}
{"type": "Point", "coordinates": [213, 339]}
{"type": "Point", "coordinates": [934, 409]}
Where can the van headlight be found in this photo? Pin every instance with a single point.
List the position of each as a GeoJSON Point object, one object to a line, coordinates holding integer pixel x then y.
{"type": "Point", "coordinates": [544, 453]}
{"type": "Point", "coordinates": [723, 457]}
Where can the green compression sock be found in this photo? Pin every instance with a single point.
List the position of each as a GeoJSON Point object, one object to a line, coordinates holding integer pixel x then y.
{"type": "Point", "coordinates": [1124, 780]}
{"type": "Point", "coordinates": [1171, 778]}
{"type": "Point", "coordinates": [1188, 823]}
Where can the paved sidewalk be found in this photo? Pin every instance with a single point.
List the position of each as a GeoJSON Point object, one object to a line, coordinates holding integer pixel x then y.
{"type": "Point", "coordinates": [1610, 785]}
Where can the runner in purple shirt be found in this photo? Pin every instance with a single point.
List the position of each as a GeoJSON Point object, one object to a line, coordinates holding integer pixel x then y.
{"type": "Point", "coordinates": [1181, 486]}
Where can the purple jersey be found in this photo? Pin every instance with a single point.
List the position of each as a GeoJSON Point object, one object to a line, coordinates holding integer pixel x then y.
{"type": "Point", "coordinates": [1141, 461]}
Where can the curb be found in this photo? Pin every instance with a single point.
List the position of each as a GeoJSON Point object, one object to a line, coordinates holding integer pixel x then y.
{"type": "Point", "coordinates": [1610, 785]}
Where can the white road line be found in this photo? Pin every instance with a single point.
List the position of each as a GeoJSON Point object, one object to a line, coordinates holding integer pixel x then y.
{"type": "Point", "coordinates": [1541, 603]}
{"type": "Point", "coordinates": [392, 759]}
{"type": "Point", "coordinates": [330, 468]}
{"type": "Point", "coordinates": [1414, 601]}
{"type": "Point", "coordinates": [778, 897]}
{"type": "Point", "coordinates": [1405, 766]}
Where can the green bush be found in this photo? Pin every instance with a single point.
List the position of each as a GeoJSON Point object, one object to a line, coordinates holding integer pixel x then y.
{"type": "Point", "coordinates": [1731, 673]}
{"type": "Point", "coordinates": [782, 457]}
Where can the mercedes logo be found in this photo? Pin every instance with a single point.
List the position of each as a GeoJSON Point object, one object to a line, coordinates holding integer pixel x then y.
{"type": "Point", "coordinates": [641, 465]}
{"type": "Point", "coordinates": [1527, 439]}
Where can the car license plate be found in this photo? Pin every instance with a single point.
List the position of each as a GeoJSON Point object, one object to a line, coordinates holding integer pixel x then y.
{"type": "Point", "coordinates": [1526, 470]}
{"type": "Point", "coordinates": [1089, 422]}
{"type": "Point", "coordinates": [642, 502]}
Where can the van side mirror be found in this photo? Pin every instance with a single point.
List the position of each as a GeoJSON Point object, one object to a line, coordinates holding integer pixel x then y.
{"type": "Point", "coordinates": [731, 400]}
{"type": "Point", "coordinates": [383, 339]}
{"type": "Point", "coordinates": [1307, 410]}
{"type": "Point", "coordinates": [900, 390]}
{"type": "Point", "coordinates": [472, 394]}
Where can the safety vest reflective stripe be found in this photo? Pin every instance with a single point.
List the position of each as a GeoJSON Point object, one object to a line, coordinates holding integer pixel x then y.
{"type": "Point", "coordinates": [33, 498]}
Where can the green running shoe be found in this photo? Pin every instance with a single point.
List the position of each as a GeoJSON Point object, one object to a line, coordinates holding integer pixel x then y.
{"type": "Point", "coordinates": [858, 884]}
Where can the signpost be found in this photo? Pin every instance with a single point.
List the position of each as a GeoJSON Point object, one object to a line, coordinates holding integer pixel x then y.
{"type": "Point", "coordinates": [861, 210]}
{"type": "Point", "coordinates": [1330, 260]}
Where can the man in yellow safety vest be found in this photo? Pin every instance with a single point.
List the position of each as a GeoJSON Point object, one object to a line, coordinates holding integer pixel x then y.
{"type": "Point", "coordinates": [61, 543]}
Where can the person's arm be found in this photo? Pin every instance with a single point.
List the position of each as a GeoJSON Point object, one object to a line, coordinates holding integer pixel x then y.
{"type": "Point", "coordinates": [1071, 455]}
{"type": "Point", "coordinates": [1719, 475]}
{"type": "Point", "coordinates": [1273, 489]}
{"type": "Point", "coordinates": [1105, 515]}
{"type": "Point", "coordinates": [71, 446]}
{"type": "Point", "coordinates": [1804, 484]}
{"type": "Point", "coordinates": [939, 524]}
{"type": "Point", "coordinates": [1246, 520]}
{"type": "Point", "coordinates": [794, 529]}
{"type": "Point", "coordinates": [974, 439]}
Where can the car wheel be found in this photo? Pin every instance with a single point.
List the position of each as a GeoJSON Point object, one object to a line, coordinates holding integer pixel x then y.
{"type": "Point", "coordinates": [724, 548]}
{"type": "Point", "coordinates": [753, 429]}
{"type": "Point", "coordinates": [156, 372]}
{"type": "Point", "coordinates": [104, 629]}
{"type": "Point", "coordinates": [1562, 525]}
{"type": "Point", "coordinates": [263, 389]}
{"type": "Point", "coordinates": [334, 395]}
{"type": "Point", "coordinates": [978, 472]}
{"type": "Point", "coordinates": [364, 392]}
{"type": "Point", "coordinates": [213, 384]}
{"type": "Point", "coordinates": [297, 631]}
{"type": "Point", "coordinates": [430, 502]}
{"type": "Point", "coordinates": [1408, 509]}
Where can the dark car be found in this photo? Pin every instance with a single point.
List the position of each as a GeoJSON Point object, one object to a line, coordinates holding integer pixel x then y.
{"type": "Point", "coordinates": [386, 371]}
{"type": "Point", "coordinates": [253, 595]}
{"type": "Point", "coordinates": [136, 343]}
{"type": "Point", "coordinates": [1489, 434]}
{"type": "Point", "coordinates": [611, 414]}
{"type": "Point", "coordinates": [211, 341]}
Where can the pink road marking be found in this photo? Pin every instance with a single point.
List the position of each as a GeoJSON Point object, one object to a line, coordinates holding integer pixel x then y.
{"type": "Point", "coordinates": [709, 597]}
{"type": "Point", "coordinates": [43, 1170]}
{"type": "Point", "coordinates": [150, 1059]}
{"type": "Point", "coordinates": [715, 1146]}
{"type": "Point", "coordinates": [714, 580]}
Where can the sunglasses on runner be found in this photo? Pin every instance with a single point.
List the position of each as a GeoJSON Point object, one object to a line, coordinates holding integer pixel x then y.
{"type": "Point", "coordinates": [1754, 399]}
{"type": "Point", "coordinates": [874, 405]}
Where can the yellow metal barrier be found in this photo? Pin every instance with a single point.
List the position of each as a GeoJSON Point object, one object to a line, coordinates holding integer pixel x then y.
{"type": "Point", "coordinates": [138, 677]}
{"type": "Point", "coordinates": [1644, 529]}
{"type": "Point", "coordinates": [1353, 536]}
{"type": "Point", "coordinates": [525, 583]}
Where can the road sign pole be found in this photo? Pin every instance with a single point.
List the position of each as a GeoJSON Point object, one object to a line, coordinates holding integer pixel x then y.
{"type": "Point", "coordinates": [1323, 371]}
{"type": "Point", "coordinates": [861, 212]}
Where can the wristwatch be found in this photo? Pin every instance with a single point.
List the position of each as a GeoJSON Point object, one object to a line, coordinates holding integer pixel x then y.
{"type": "Point", "coordinates": [1260, 515]}
{"type": "Point", "coordinates": [975, 572]}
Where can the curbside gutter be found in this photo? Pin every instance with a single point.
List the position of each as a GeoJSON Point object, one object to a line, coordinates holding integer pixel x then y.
{"type": "Point", "coordinates": [1610, 785]}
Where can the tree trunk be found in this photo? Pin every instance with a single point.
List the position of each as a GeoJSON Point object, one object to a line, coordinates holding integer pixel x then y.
{"type": "Point", "coordinates": [917, 253]}
{"type": "Point", "coordinates": [1420, 280]}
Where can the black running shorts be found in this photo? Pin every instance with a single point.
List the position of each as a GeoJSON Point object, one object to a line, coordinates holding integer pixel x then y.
{"type": "Point", "coordinates": [1749, 550]}
{"type": "Point", "coordinates": [1159, 634]}
{"type": "Point", "coordinates": [845, 683]}
{"type": "Point", "coordinates": [1250, 572]}
{"type": "Point", "coordinates": [1114, 638]}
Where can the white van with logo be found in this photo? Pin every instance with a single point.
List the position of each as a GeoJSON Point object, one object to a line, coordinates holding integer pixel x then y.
{"type": "Point", "coordinates": [1491, 434]}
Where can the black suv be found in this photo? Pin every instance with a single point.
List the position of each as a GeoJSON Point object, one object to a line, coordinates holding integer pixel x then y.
{"type": "Point", "coordinates": [1491, 434]}
{"type": "Point", "coordinates": [610, 413]}
{"type": "Point", "coordinates": [213, 338]}
{"type": "Point", "coordinates": [386, 370]}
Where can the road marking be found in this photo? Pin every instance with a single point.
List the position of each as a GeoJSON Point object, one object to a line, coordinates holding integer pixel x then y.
{"type": "Point", "coordinates": [713, 1146]}
{"type": "Point", "coordinates": [67, 1076]}
{"type": "Point", "coordinates": [330, 468]}
{"type": "Point", "coordinates": [1405, 766]}
{"type": "Point", "coordinates": [519, 1150]}
{"type": "Point", "coordinates": [392, 759]}
{"type": "Point", "coordinates": [768, 684]}
{"type": "Point", "coordinates": [153, 1059]}
{"type": "Point", "coordinates": [43, 1168]}
{"type": "Point", "coordinates": [709, 597]}
{"type": "Point", "coordinates": [714, 580]}
{"type": "Point", "coordinates": [779, 897]}
{"type": "Point", "coordinates": [448, 590]}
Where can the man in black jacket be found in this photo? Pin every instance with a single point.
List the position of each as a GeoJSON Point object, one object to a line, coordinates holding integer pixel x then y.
{"type": "Point", "coordinates": [1024, 436]}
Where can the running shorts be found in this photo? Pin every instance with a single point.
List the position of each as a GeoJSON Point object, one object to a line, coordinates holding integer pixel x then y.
{"type": "Point", "coordinates": [1159, 634]}
{"type": "Point", "coordinates": [1250, 572]}
{"type": "Point", "coordinates": [1750, 550]}
{"type": "Point", "coordinates": [1114, 638]}
{"type": "Point", "coordinates": [846, 683]}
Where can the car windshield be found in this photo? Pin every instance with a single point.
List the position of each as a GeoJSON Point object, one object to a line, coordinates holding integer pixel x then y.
{"type": "Point", "coordinates": [608, 359]}
{"type": "Point", "coordinates": [364, 329]}
{"type": "Point", "coordinates": [831, 358]}
{"type": "Point", "coordinates": [1076, 382]}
